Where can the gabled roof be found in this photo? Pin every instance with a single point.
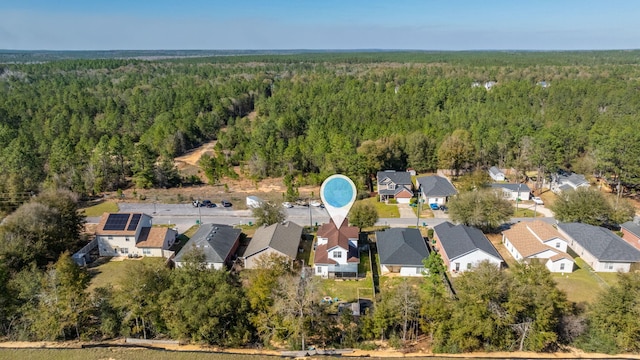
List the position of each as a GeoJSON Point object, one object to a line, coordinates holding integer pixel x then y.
{"type": "Point", "coordinates": [130, 222]}
{"type": "Point", "coordinates": [337, 237]}
{"type": "Point", "coordinates": [544, 231]}
{"type": "Point", "coordinates": [575, 179]}
{"type": "Point", "coordinates": [153, 237]}
{"type": "Point", "coordinates": [603, 244]}
{"type": "Point", "coordinates": [397, 177]}
{"type": "Point", "coordinates": [459, 240]}
{"type": "Point", "coordinates": [401, 247]}
{"type": "Point", "coordinates": [495, 171]}
{"type": "Point", "coordinates": [525, 241]}
{"type": "Point", "coordinates": [436, 186]}
{"type": "Point", "coordinates": [321, 256]}
{"type": "Point", "coordinates": [632, 227]}
{"type": "Point", "coordinates": [512, 187]}
{"type": "Point", "coordinates": [283, 237]}
{"type": "Point", "coordinates": [214, 240]}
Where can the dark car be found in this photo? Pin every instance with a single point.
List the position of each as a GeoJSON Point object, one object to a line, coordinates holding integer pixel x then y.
{"type": "Point", "coordinates": [225, 203]}
{"type": "Point", "coordinates": [207, 203]}
{"type": "Point", "coordinates": [444, 208]}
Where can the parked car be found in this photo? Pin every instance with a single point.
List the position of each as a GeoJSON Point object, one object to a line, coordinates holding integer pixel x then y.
{"type": "Point", "coordinates": [538, 200]}
{"type": "Point", "coordinates": [207, 203]}
{"type": "Point", "coordinates": [434, 206]}
{"type": "Point", "coordinates": [225, 203]}
{"type": "Point", "coordinates": [287, 205]}
{"type": "Point", "coordinates": [443, 208]}
{"type": "Point", "coordinates": [315, 203]}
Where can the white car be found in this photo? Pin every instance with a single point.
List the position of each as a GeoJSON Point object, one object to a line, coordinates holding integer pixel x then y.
{"type": "Point", "coordinates": [287, 205]}
{"type": "Point", "coordinates": [538, 201]}
{"type": "Point", "coordinates": [315, 203]}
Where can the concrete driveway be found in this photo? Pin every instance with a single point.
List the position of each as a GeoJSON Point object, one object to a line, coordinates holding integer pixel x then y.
{"type": "Point", "coordinates": [406, 212]}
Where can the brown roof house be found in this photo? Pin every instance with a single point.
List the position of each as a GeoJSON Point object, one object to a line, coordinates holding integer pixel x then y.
{"type": "Point", "coordinates": [127, 234]}
{"type": "Point", "coordinates": [280, 238]}
{"type": "Point", "coordinates": [337, 250]}
{"type": "Point", "coordinates": [538, 240]}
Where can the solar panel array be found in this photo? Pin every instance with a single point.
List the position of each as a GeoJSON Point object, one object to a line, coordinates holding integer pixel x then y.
{"type": "Point", "coordinates": [135, 219]}
{"type": "Point", "coordinates": [116, 222]}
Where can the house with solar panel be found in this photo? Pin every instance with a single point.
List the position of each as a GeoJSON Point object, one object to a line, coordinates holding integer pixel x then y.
{"type": "Point", "coordinates": [401, 251]}
{"type": "Point", "coordinates": [132, 234]}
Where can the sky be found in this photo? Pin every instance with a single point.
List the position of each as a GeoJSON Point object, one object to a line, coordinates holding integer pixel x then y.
{"type": "Point", "coordinates": [319, 24]}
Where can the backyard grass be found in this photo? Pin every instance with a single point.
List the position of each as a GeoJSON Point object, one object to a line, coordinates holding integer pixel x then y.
{"type": "Point", "coordinates": [115, 271]}
{"type": "Point", "coordinates": [384, 210]}
{"type": "Point", "coordinates": [583, 285]}
{"type": "Point", "coordinates": [388, 283]}
{"type": "Point", "coordinates": [347, 290]}
{"type": "Point", "coordinates": [99, 209]}
{"type": "Point", "coordinates": [524, 212]}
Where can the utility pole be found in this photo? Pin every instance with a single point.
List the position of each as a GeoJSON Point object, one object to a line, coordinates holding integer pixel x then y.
{"type": "Point", "coordinates": [418, 205]}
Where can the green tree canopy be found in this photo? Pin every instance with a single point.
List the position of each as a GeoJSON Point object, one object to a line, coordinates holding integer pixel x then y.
{"type": "Point", "coordinates": [269, 213]}
{"type": "Point", "coordinates": [485, 209]}
{"type": "Point", "coordinates": [363, 214]}
{"type": "Point", "coordinates": [591, 206]}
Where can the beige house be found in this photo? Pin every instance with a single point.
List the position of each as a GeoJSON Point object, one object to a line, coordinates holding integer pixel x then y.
{"type": "Point", "coordinates": [281, 239]}
{"type": "Point", "coordinates": [538, 240]}
{"type": "Point", "coordinates": [132, 234]}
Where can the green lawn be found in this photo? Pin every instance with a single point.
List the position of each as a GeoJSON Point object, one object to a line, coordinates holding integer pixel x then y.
{"type": "Point", "coordinates": [347, 290]}
{"type": "Point", "coordinates": [101, 208]}
{"type": "Point", "coordinates": [525, 213]}
{"type": "Point", "coordinates": [114, 272]}
{"type": "Point", "coordinates": [387, 283]}
{"type": "Point", "coordinates": [583, 285]}
{"type": "Point", "coordinates": [384, 210]}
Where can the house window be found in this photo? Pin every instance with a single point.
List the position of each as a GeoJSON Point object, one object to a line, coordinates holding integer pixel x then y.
{"type": "Point", "coordinates": [318, 270]}
{"type": "Point", "coordinates": [126, 239]}
{"type": "Point", "coordinates": [558, 245]}
{"type": "Point", "coordinates": [109, 237]}
{"type": "Point", "coordinates": [146, 251]}
{"type": "Point", "coordinates": [609, 266]}
{"type": "Point", "coordinates": [468, 266]}
{"type": "Point", "coordinates": [124, 250]}
{"type": "Point", "coordinates": [337, 254]}
{"type": "Point", "coordinates": [457, 267]}
{"type": "Point", "coordinates": [562, 266]}
{"type": "Point", "coordinates": [391, 186]}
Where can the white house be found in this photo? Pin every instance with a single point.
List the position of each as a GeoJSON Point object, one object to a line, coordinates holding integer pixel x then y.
{"type": "Point", "coordinates": [401, 251]}
{"type": "Point", "coordinates": [126, 234]}
{"type": "Point", "coordinates": [512, 192]}
{"type": "Point", "coordinates": [336, 253]}
{"type": "Point", "coordinates": [280, 238]}
{"type": "Point", "coordinates": [496, 174]}
{"type": "Point", "coordinates": [463, 247]}
{"type": "Point", "coordinates": [563, 182]}
{"type": "Point", "coordinates": [435, 189]}
{"type": "Point", "coordinates": [538, 240]}
{"type": "Point", "coordinates": [603, 250]}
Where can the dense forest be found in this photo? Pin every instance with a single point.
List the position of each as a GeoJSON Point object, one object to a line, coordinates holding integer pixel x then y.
{"type": "Point", "coordinates": [104, 124]}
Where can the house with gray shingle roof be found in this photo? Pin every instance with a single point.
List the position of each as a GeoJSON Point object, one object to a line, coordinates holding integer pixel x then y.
{"type": "Point", "coordinates": [563, 182]}
{"type": "Point", "coordinates": [217, 243]}
{"type": "Point", "coordinates": [603, 250]}
{"type": "Point", "coordinates": [463, 247]}
{"type": "Point", "coordinates": [395, 185]}
{"type": "Point", "coordinates": [631, 232]}
{"type": "Point", "coordinates": [401, 250]}
{"type": "Point", "coordinates": [435, 189]}
{"type": "Point", "coordinates": [496, 174]}
{"type": "Point", "coordinates": [280, 239]}
{"type": "Point", "coordinates": [512, 191]}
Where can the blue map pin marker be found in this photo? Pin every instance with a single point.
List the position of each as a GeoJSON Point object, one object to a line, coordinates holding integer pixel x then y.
{"type": "Point", "coordinates": [338, 193]}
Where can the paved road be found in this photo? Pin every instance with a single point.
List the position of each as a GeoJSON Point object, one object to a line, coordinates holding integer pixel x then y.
{"type": "Point", "coordinates": [185, 215]}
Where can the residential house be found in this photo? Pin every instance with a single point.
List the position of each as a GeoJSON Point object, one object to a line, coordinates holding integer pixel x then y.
{"type": "Point", "coordinates": [538, 240]}
{"type": "Point", "coordinates": [395, 185]}
{"type": "Point", "coordinates": [280, 239]}
{"type": "Point", "coordinates": [463, 247]}
{"type": "Point", "coordinates": [599, 247]}
{"type": "Point", "coordinates": [562, 182]}
{"type": "Point", "coordinates": [132, 234]}
{"type": "Point", "coordinates": [496, 174]}
{"type": "Point", "coordinates": [336, 253]}
{"type": "Point", "coordinates": [512, 192]}
{"type": "Point", "coordinates": [401, 251]}
{"type": "Point", "coordinates": [631, 232]}
{"type": "Point", "coordinates": [435, 189]}
{"type": "Point", "coordinates": [217, 243]}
